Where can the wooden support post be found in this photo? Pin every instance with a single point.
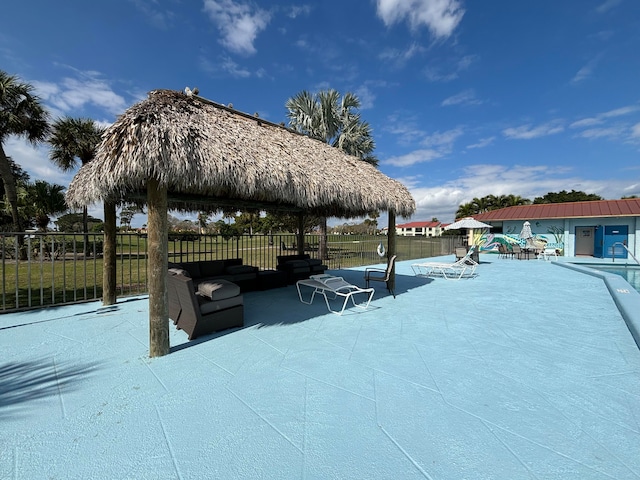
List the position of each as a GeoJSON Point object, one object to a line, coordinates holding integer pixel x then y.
{"type": "Point", "coordinates": [391, 248]}
{"type": "Point", "coordinates": [157, 265]}
{"type": "Point", "coordinates": [109, 255]}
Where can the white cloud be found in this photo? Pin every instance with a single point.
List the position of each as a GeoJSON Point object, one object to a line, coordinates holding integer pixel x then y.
{"type": "Point", "coordinates": [401, 57]}
{"type": "Point", "coordinates": [619, 112]}
{"type": "Point", "coordinates": [607, 5]}
{"type": "Point", "coordinates": [483, 142]}
{"type": "Point", "coordinates": [35, 161]}
{"type": "Point", "coordinates": [298, 10]}
{"type": "Point", "coordinates": [586, 122]}
{"type": "Point", "coordinates": [609, 132]}
{"type": "Point", "coordinates": [467, 97]}
{"type": "Point", "coordinates": [366, 96]}
{"type": "Point", "coordinates": [442, 201]}
{"type": "Point", "coordinates": [600, 126]}
{"type": "Point", "coordinates": [417, 156]}
{"type": "Point", "coordinates": [239, 23]}
{"type": "Point", "coordinates": [635, 131]}
{"type": "Point", "coordinates": [439, 144]}
{"type": "Point", "coordinates": [445, 71]}
{"type": "Point", "coordinates": [441, 17]}
{"type": "Point", "coordinates": [586, 71]}
{"type": "Point", "coordinates": [528, 132]}
{"type": "Point", "coordinates": [442, 139]}
{"type": "Point", "coordinates": [158, 18]}
{"type": "Point", "coordinates": [73, 94]}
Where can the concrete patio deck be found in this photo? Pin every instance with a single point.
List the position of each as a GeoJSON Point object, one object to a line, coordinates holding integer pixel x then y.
{"type": "Point", "coordinates": [526, 372]}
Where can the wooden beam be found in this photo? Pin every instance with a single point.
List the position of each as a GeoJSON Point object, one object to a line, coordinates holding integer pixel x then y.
{"type": "Point", "coordinates": [109, 255]}
{"type": "Point", "coordinates": [158, 254]}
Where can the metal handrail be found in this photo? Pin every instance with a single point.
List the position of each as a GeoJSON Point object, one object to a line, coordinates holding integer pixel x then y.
{"type": "Point", "coordinates": [613, 252]}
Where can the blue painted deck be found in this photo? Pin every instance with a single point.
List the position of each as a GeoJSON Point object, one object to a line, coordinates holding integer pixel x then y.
{"type": "Point", "coordinates": [526, 372]}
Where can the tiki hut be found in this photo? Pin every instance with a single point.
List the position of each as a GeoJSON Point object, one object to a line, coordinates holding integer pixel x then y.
{"type": "Point", "coordinates": [179, 151]}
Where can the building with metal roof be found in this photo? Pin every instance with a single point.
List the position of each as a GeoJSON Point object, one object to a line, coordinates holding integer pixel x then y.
{"type": "Point", "coordinates": [602, 228]}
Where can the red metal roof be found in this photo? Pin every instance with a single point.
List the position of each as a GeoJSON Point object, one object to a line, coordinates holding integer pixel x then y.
{"type": "Point", "coordinates": [598, 208]}
{"type": "Point", "coordinates": [419, 224]}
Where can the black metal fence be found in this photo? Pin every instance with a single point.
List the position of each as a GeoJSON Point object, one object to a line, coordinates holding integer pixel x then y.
{"type": "Point", "coordinates": [44, 269]}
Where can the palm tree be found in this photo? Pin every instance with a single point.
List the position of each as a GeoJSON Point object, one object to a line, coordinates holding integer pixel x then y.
{"type": "Point", "coordinates": [45, 199]}
{"type": "Point", "coordinates": [73, 141]}
{"type": "Point", "coordinates": [21, 114]}
{"type": "Point", "coordinates": [333, 120]}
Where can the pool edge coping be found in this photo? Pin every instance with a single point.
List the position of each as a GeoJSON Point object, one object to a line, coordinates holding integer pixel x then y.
{"type": "Point", "coordinates": [626, 298]}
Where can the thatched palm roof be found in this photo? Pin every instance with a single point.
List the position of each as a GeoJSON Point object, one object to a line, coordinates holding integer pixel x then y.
{"type": "Point", "coordinates": [210, 156]}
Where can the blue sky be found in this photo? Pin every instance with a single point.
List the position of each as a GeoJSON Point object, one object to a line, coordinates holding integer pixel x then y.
{"type": "Point", "coordinates": [465, 99]}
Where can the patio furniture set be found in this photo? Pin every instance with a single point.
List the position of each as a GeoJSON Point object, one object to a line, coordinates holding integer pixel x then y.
{"type": "Point", "coordinates": [516, 251]}
{"type": "Point", "coordinates": [206, 296]}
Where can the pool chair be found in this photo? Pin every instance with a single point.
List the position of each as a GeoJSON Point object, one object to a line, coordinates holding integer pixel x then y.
{"type": "Point", "coordinates": [516, 251]}
{"type": "Point", "coordinates": [331, 287]}
{"type": "Point", "coordinates": [381, 275]}
{"type": "Point", "coordinates": [463, 268]}
{"type": "Point", "coordinates": [547, 254]}
{"type": "Point", "coordinates": [504, 252]}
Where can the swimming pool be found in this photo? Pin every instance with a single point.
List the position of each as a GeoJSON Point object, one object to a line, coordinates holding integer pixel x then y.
{"type": "Point", "coordinates": [630, 273]}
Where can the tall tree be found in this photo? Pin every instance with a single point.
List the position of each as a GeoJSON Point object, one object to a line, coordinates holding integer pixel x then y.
{"type": "Point", "coordinates": [74, 141]}
{"type": "Point", "coordinates": [490, 202]}
{"type": "Point", "coordinates": [329, 118]}
{"type": "Point", "coordinates": [45, 199]}
{"type": "Point", "coordinates": [21, 114]}
{"type": "Point", "coordinates": [564, 197]}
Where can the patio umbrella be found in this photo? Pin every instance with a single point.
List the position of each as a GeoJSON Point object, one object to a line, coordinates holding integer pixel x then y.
{"type": "Point", "coordinates": [526, 233]}
{"type": "Point", "coordinates": [469, 224]}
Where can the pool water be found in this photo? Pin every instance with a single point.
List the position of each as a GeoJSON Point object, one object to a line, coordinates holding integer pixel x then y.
{"type": "Point", "coordinates": [630, 273]}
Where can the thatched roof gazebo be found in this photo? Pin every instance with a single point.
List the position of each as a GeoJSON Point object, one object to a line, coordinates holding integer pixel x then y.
{"type": "Point", "coordinates": [183, 152]}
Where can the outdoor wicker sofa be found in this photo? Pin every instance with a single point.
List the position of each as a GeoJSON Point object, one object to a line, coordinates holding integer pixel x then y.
{"type": "Point", "coordinates": [216, 305]}
{"type": "Point", "coordinates": [232, 270]}
{"type": "Point", "coordinates": [299, 267]}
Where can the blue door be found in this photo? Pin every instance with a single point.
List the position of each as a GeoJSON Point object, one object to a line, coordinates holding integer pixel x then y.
{"type": "Point", "coordinates": [598, 239]}
{"type": "Point", "coordinates": [613, 235]}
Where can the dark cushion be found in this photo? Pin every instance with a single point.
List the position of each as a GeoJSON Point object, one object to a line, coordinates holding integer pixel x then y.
{"type": "Point", "coordinates": [232, 261]}
{"type": "Point", "coordinates": [193, 268]}
{"type": "Point", "coordinates": [211, 268]}
{"type": "Point", "coordinates": [287, 258]}
{"type": "Point", "coordinates": [218, 289]}
{"type": "Point", "coordinates": [314, 261]}
{"type": "Point", "coordinates": [207, 306]}
{"type": "Point", "coordinates": [297, 264]}
{"type": "Point", "coordinates": [240, 269]}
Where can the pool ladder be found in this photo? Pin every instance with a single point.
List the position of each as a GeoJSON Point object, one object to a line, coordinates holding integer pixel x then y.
{"type": "Point", "coordinates": [613, 251]}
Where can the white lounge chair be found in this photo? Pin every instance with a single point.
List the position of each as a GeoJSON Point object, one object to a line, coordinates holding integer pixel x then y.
{"type": "Point", "coordinates": [463, 268]}
{"type": "Point", "coordinates": [334, 287]}
{"type": "Point", "coordinates": [547, 254]}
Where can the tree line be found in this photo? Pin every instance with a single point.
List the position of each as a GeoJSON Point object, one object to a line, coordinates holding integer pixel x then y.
{"type": "Point", "coordinates": [493, 202]}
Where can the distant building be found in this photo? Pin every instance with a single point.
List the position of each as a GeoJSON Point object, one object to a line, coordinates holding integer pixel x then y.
{"type": "Point", "coordinates": [420, 229]}
{"type": "Point", "coordinates": [601, 229]}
